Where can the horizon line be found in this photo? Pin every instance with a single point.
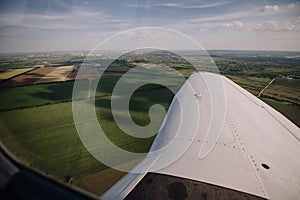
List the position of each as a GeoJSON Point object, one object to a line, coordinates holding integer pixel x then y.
{"type": "Point", "coordinates": [88, 51]}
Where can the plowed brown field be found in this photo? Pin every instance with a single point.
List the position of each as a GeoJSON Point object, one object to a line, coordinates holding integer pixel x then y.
{"type": "Point", "coordinates": [28, 78]}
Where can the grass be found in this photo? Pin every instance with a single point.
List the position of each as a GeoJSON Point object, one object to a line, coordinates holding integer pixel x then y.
{"type": "Point", "coordinates": [291, 83]}
{"type": "Point", "coordinates": [291, 111]}
{"type": "Point", "coordinates": [47, 140]}
{"type": "Point", "coordinates": [41, 94]}
{"type": "Point", "coordinates": [44, 135]}
{"type": "Point", "coordinates": [251, 83]}
{"type": "Point", "coordinates": [35, 95]}
{"type": "Point", "coordinates": [283, 94]}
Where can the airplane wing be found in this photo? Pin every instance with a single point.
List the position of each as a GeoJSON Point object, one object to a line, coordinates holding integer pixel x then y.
{"type": "Point", "coordinates": [256, 155]}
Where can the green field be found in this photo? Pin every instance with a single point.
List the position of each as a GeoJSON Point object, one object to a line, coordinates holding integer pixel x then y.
{"type": "Point", "coordinates": [285, 90]}
{"type": "Point", "coordinates": [34, 95]}
{"type": "Point", "coordinates": [291, 111]}
{"type": "Point", "coordinates": [283, 94]}
{"type": "Point", "coordinates": [251, 83]}
{"type": "Point", "coordinates": [45, 136]}
{"type": "Point", "coordinates": [36, 121]}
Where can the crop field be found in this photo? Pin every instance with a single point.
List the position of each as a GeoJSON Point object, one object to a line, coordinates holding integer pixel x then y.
{"type": "Point", "coordinates": [35, 95]}
{"type": "Point", "coordinates": [36, 119]}
{"type": "Point", "coordinates": [93, 74]}
{"type": "Point", "coordinates": [47, 140]}
{"type": "Point", "coordinates": [291, 111]}
{"type": "Point", "coordinates": [279, 92]}
{"type": "Point", "coordinates": [288, 82]}
{"type": "Point", "coordinates": [101, 181]}
{"type": "Point", "coordinates": [14, 72]}
{"type": "Point", "coordinates": [59, 74]}
{"type": "Point", "coordinates": [28, 78]}
{"type": "Point", "coordinates": [251, 83]}
{"type": "Point", "coordinates": [283, 94]}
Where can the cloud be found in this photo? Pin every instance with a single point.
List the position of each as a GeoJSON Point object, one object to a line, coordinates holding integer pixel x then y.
{"type": "Point", "coordinates": [283, 8]}
{"type": "Point", "coordinates": [270, 25]}
{"type": "Point", "coordinates": [77, 19]}
{"type": "Point", "coordinates": [70, 23]}
{"type": "Point", "coordinates": [287, 25]}
{"type": "Point", "coordinates": [292, 25]}
{"type": "Point", "coordinates": [178, 5]}
{"type": "Point", "coordinates": [147, 34]}
{"type": "Point", "coordinates": [260, 12]}
{"type": "Point", "coordinates": [167, 5]}
{"type": "Point", "coordinates": [254, 27]}
{"type": "Point", "coordinates": [223, 17]}
{"type": "Point", "coordinates": [270, 9]}
{"type": "Point", "coordinates": [232, 25]}
{"type": "Point", "coordinates": [293, 6]}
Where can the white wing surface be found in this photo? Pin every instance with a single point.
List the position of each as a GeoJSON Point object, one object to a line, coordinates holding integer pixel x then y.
{"type": "Point", "coordinates": [257, 152]}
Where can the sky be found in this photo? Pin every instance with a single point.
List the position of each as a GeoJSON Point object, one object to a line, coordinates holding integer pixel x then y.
{"type": "Point", "coordinates": [60, 25]}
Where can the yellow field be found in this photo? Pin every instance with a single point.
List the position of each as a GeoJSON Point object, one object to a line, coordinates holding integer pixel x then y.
{"type": "Point", "coordinates": [59, 74]}
{"type": "Point", "coordinates": [100, 182]}
{"type": "Point", "coordinates": [13, 72]}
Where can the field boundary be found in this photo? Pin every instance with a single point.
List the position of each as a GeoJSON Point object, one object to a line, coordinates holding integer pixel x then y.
{"type": "Point", "coordinates": [260, 93]}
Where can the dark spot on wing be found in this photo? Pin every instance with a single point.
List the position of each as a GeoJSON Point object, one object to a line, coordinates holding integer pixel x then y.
{"type": "Point", "coordinates": [163, 187]}
{"type": "Point", "coordinates": [177, 191]}
{"type": "Point", "coordinates": [265, 166]}
{"type": "Point", "coordinates": [148, 181]}
{"type": "Point", "coordinates": [203, 196]}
